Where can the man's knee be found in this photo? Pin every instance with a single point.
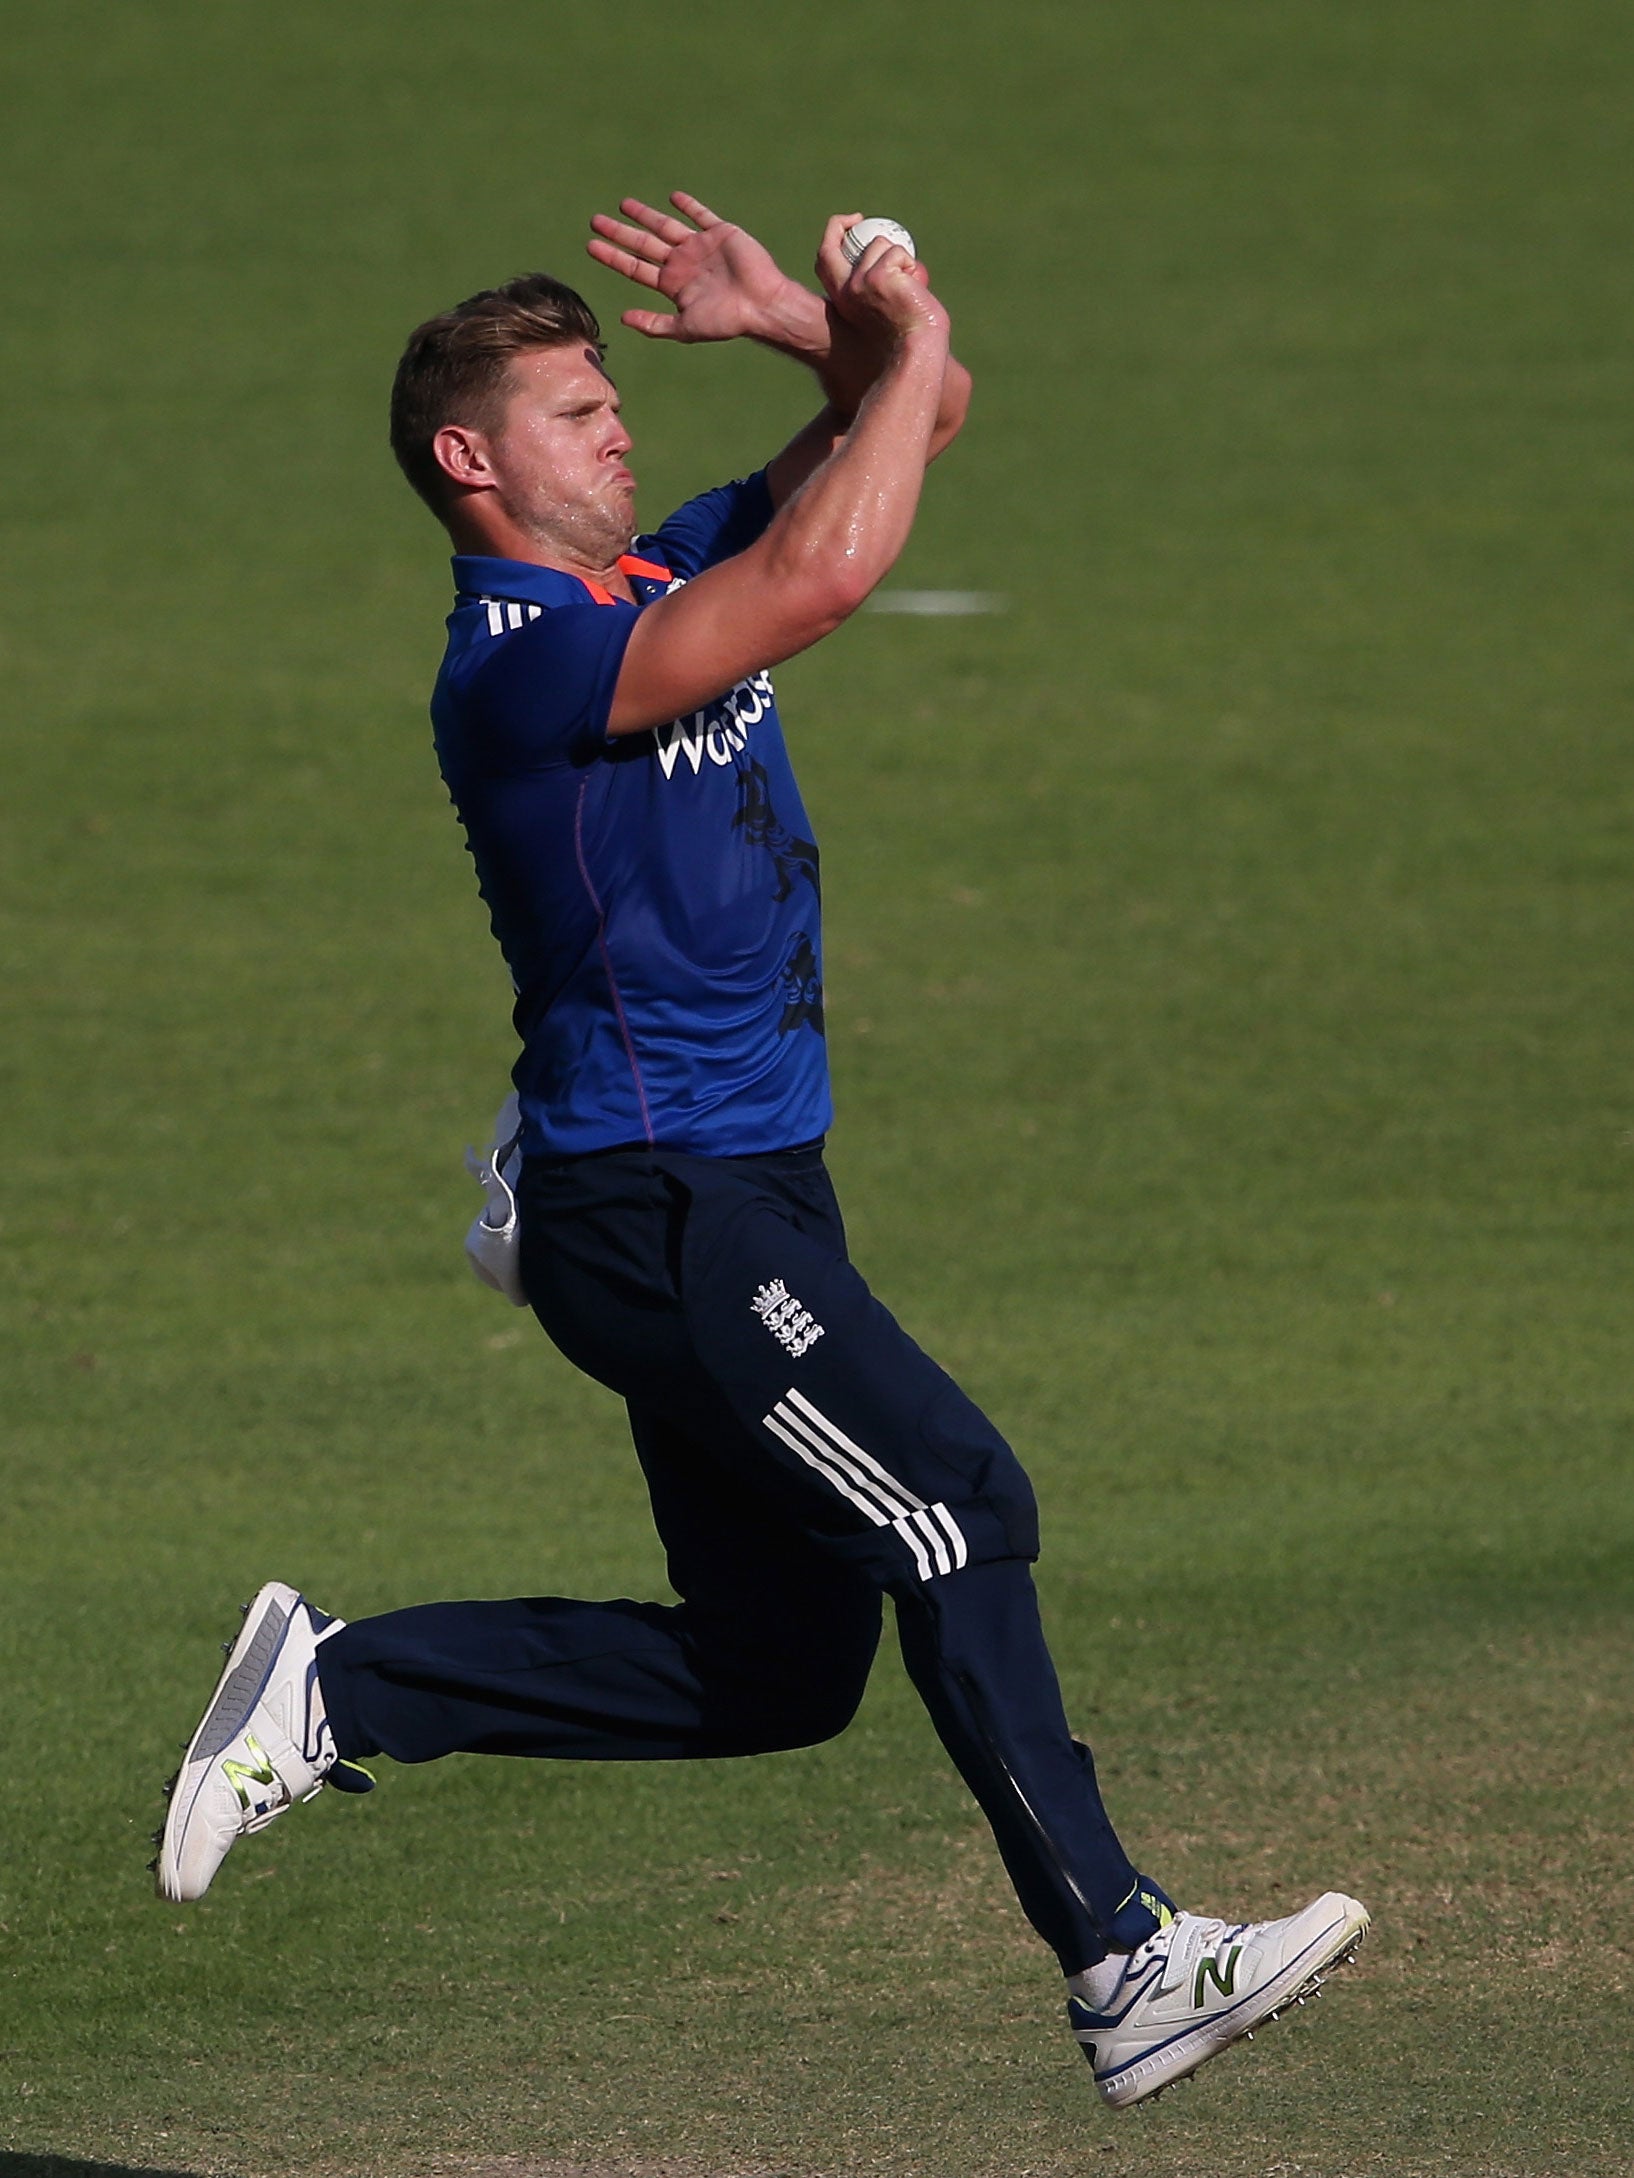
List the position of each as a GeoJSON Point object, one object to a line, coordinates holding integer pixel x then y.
{"type": "Point", "coordinates": [804, 1719]}
{"type": "Point", "coordinates": [789, 1675]}
{"type": "Point", "coordinates": [986, 1512]}
{"type": "Point", "coordinates": [769, 1716]}
{"type": "Point", "coordinates": [1011, 1508]}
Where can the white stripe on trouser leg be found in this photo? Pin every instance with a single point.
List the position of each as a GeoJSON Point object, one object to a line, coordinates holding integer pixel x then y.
{"type": "Point", "coordinates": [940, 1548]}
{"type": "Point", "coordinates": [905, 1497]}
{"type": "Point", "coordinates": [933, 1522]}
{"type": "Point", "coordinates": [930, 1531]}
{"type": "Point", "coordinates": [921, 1556]}
{"type": "Point", "coordinates": [955, 1534]}
{"type": "Point", "coordinates": [920, 1535]}
{"type": "Point", "coordinates": [828, 1461]}
{"type": "Point", "coordinates": [936, 1540]}
{"type": "Point", "coordinates": [863, 1504]}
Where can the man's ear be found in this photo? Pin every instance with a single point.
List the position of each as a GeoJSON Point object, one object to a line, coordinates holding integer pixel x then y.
{"type": "Point", "coordinates": [462, 455]}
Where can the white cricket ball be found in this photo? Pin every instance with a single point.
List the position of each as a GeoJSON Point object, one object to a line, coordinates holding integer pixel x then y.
{"type": "Point", "coordinates": [856, 239]}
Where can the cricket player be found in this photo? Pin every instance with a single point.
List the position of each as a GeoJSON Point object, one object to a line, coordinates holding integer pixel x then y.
{"type": "Point", "coordinates": [607, 729]}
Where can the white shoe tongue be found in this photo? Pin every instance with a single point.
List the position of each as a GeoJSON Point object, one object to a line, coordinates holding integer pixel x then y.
{"type": "Point", "coordinates": [1193, 1938]}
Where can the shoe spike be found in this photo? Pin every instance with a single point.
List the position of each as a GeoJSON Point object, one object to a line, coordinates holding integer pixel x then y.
{"type": "Point", "coordinates": [156, 1837]}
{"type": "Point", "coordinates": [226, 1648]}
{"type": "Point", "coordinates": [169, 1785]}
{"type": "Point", "coordinates": [153, 1865]}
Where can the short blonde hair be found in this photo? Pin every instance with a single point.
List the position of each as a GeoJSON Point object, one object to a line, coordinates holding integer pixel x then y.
{"type": "Point", "coordinates": [454, 367]}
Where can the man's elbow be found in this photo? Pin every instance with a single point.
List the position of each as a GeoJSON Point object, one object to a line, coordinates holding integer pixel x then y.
{"type": "Point", "coordinates": [849, 588]}
{"type": "Point", "coordinates": [813, 601]}
{"type": "Point", "coordinates": [950, 419]}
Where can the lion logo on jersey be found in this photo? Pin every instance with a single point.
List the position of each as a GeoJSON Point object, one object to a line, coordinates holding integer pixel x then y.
{"type": "Point", "coordinates": [802, 989]}
{"type": "Point", "coordinates": [792, 858]}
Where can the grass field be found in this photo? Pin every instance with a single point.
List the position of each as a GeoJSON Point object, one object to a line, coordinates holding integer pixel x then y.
{"type": "Point", "coordinates": [1228, 983]}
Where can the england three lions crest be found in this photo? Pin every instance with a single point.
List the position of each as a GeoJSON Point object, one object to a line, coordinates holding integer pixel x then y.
{"type": "Point", "coordinates": [794, 1327]}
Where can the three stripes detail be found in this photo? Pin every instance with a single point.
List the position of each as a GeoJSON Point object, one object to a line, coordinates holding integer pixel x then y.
{"type": "Point", "coordinates": [930, 1531]}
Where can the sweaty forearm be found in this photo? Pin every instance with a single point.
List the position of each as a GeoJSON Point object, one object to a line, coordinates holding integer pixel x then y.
{"type": "Point", "coordinates": [829, 543]}
{"type": "Point", "coordinates": [844, 528]}
{"type": "Point", "coordinates": [802, 328]}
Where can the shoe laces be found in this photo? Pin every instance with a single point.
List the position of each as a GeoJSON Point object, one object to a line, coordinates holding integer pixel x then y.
{"type": "Point", "coordinates": [1181, 1946]}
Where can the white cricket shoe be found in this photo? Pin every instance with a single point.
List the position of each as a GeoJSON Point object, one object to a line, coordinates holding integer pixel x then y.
{"type": "Point", "coordinates": [1198, 1985]}
{"type": "Point", "coordinates": [263, 1744]}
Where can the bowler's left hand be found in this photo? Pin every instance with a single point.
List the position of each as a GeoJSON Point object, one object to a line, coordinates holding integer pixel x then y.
{"type": "Point", "coordinates": [724, 284]}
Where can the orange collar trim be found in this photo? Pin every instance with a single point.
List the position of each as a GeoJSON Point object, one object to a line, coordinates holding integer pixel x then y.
{"type": "Point", "coordinates": [628, 564]}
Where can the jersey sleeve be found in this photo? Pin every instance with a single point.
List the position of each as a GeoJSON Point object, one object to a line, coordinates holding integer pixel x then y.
{"type": "Point", "coordinates": [542, 695]}
{"type": "Point", "coordinates": [715, 526]}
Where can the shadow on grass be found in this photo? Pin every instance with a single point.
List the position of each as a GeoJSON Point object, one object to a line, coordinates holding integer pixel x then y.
{"type": "Point", "coordinates": [67, 2166]}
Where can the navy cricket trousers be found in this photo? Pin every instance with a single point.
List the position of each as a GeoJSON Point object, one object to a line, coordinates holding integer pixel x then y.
{"type": "Point", "coordinates": [803, 1457]}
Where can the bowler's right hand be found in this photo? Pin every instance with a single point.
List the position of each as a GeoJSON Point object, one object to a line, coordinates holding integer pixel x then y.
{"type": "Point", "coordinates": [885, 292]}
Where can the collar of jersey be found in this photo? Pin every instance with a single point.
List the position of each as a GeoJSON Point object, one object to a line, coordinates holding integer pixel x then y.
{"type": "Point", "coordinates": [476, 576]}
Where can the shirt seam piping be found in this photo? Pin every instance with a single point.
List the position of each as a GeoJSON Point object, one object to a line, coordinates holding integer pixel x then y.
{"type": "Point", "coordinates": [607, 961]}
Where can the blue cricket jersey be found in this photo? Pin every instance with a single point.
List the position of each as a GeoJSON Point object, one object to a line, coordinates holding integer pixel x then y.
{"type": "Point", "coordinates": [655, 896]}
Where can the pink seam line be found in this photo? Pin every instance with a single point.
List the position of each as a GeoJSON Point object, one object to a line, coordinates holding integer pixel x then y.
{"type": "Point", "coordinates": [606, 959]}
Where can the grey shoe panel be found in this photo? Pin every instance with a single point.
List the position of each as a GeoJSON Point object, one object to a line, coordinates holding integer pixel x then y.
{"type": "Point", "coordinates": [242, 1688]}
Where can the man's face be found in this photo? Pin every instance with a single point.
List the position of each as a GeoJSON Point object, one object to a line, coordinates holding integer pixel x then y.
{"type": "Point", "coordinates": [559, 456]}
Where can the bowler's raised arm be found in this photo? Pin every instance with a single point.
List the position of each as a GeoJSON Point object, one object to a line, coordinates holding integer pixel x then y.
{"type": "Point", "coordinates": [726, 285]}
{"type": "Point", "coordinates": [830, 543]}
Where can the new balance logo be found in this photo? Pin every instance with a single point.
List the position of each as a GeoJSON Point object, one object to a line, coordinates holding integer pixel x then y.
{"type": "Point", "coordinates": [794, 1328]}
{"type": "Point", "coordinates": [241, 1775]}
{"type": "Point", "coordinates": [1223, 1977]}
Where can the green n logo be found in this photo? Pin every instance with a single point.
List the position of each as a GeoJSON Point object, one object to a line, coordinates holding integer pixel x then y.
{"type": "Point", "coordinates": [240, 1774]}
{"type": "Point", "coordinates": [1224, 1977]}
